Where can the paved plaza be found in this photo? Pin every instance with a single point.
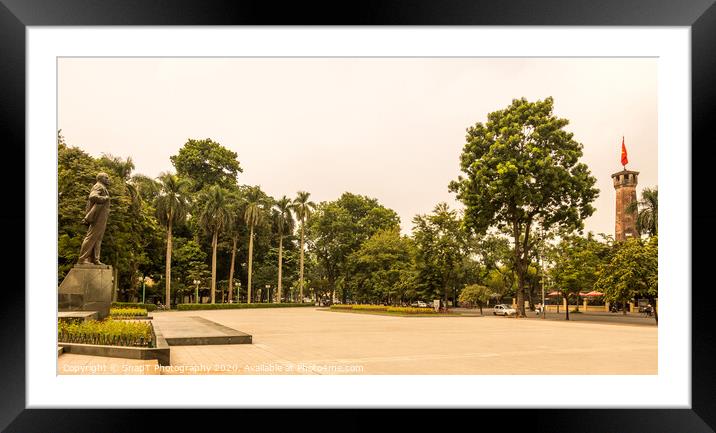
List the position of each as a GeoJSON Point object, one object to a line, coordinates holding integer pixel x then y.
{"type": "Point", "coordinates": [317, 341]}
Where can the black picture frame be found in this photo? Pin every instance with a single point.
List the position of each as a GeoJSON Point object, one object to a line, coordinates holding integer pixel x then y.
{"type": "Point", "coordinates": [16, 15]}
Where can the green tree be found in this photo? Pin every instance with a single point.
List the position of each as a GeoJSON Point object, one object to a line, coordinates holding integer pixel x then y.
{"type": "Point", "coordinates": [189, 264]}
{"type": "Point", "coordinates": [338, 228]}
{"type": "Point", "coordinates": [206, 162]}
{"type": "Point", "coordinates": [147, 187]}
{"type": "Point", "coordinates": [577, 264]}
{"type": "Point", "coordinates": [214, 217]}
{"type": "Point", "coordinates": [647, 212]}
{"type": "Point", "coordinates": [171, 205]}
{"type": "Point", "coordinates": [475, 294]}
{"type": "Point", "coordinates": [501, 282]}
{"type": "Point", "coordinates": [521, 166]}
{"type": "Point", "coordinates": [440, 250]}
{"type": "Point", "coordinates": [382, 268]}
{"type": "Point", "coordinates": [632, 272]}
{"type": "Point", "coordinates": [236, 204]}
{"type": "Point", "coordinates": [283, 216]}
{"type": "Point", "coordinates": [254, 214]}
{"type": "Point", "coordinates": [303, 208]}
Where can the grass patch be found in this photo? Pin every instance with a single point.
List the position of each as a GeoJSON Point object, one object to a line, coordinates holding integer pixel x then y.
{"type": "Point", "coordinates": [107, 332]}
{"type": "Point", "coordinates": [190, 307]}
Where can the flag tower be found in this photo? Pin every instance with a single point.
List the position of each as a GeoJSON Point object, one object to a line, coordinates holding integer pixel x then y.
{"type": "Point", "coordinates": [625, 182]}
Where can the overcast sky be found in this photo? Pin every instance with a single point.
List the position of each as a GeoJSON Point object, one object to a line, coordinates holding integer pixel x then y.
{"type": "Point", "coordinates": [392, 129]}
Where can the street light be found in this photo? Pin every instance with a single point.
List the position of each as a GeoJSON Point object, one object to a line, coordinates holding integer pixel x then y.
{"type": "Point", "coordinates": [144, 283]}
{"type": "Point", "coordinates": [268, 293]}
{"type": "Point", "coordinates": [196, 292]}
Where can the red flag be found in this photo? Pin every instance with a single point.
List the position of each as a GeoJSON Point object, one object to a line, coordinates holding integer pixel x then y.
{"type": "Point", "coordinates": [625, 161]}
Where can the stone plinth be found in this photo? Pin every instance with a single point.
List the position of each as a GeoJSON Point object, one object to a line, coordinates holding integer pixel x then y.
{"type": "Point", "coordinates": [87, 288]}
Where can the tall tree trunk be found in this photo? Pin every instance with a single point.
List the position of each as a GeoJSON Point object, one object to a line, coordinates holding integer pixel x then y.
{"type": "Point", "coordinates": [518, 268]}
{"type": "Point", "coordinates": [214, 241]}
{"type": "Point", "coordinates": [567, 307]}
{"type": "Point", "coordinates": [231, 270]}
{"type": "Point", "coordinates": [280, 257]}
{"type": "Point", "coordinates": [446, 296]}
{"type": "Point", "coordinates": [168, 266]}
{"type": "Point", "coordinates": [300, 277]}
{"type": "Point", "coordinates": [251, 259]}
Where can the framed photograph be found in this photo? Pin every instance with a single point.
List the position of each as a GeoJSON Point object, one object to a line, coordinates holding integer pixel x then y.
{"type": "Point", "coordinates": [414, 208]}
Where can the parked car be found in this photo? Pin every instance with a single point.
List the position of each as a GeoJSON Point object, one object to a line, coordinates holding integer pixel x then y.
{"type": "Point", "coordinates": [419, 304]}
{"type": "Point", "coordinates": [503, 310]}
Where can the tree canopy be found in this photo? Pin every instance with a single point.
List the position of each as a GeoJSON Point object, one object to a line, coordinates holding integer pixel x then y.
{"type": "Point", "coordinates": [631, 272]}
{"type": "Point", "coordinates": [207, 162]}
{"type": "Point", "coordinates": [521, 168]}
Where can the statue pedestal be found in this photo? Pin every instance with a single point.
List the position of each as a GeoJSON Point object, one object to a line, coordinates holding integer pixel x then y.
{"type": "Point", "coordinates": [87, 288]}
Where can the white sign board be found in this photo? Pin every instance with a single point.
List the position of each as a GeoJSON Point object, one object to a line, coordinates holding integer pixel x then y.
{"type": "Point", "coordinates": [436, 304]}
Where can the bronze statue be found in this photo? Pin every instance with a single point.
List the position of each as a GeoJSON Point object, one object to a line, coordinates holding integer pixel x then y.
{"type": "Point", "coordinates": [97, 212]}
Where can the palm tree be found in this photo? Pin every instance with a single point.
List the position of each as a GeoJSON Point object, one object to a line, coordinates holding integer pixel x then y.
{"type": "Point", "coordinates": [303, 208]}
{"type": "Point", "coordinates": [284, 221]}
{"type": "Point", "coordinates": [172, 203]}
{"type": "Point", "coordinates": [646, 210]}
{"type": "Point", "coordinates": [236, 208]}
{"type": "Point", "coordinates": [214, 217]}
{"type": "Point", "coordinates": [253, 215]}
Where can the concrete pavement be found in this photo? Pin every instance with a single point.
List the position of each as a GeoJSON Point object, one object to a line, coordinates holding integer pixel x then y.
{"type": "Point", "coordinates": [314, 341]}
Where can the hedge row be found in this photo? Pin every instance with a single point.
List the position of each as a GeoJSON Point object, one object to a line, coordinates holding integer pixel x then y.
{"type": "Point", "coordinates": [148, 307]}
{"type": "Point", "coordinates": [106, 332]}
{"type": "Point", "coordinates": [189, 307]}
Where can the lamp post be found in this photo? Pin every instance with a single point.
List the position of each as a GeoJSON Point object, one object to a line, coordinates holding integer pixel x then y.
{"type": "Point", "coordinates": [238, 291]}
{"type": "Point", "coordinates": [144, 283]}
{"type": "Point", "coordinates": [196, 291]}
{"type": "Point", "coordinates": [268, 293]}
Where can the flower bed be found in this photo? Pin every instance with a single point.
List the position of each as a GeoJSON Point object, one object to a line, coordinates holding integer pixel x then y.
{"type": "Point", "coordinates": [369, 307]}
{"type": "Point", "coordinates": [362, 307]}
{"type": "Point", "coordinates": [383, 308]}
{"type": "Point", "coordinates": [127, 312]}
{"type": "Point", "coordinates": [107, 332]}
{"type": "Point", "coordinates": [189, 307]}
{"type": "Point", "coordinates": [411, 310]}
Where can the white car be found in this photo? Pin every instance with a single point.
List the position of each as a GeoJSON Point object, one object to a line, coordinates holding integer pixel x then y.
{"type": "Point", "coordinates": [419, 304]}
{"type": "Point", "coordinates": [504, 310]}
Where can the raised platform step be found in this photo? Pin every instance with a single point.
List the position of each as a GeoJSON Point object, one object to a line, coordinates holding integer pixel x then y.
{"type": "Point", "coordinates": [78, 315]}
{"type": "Point", "coordinates": [198, 331]}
